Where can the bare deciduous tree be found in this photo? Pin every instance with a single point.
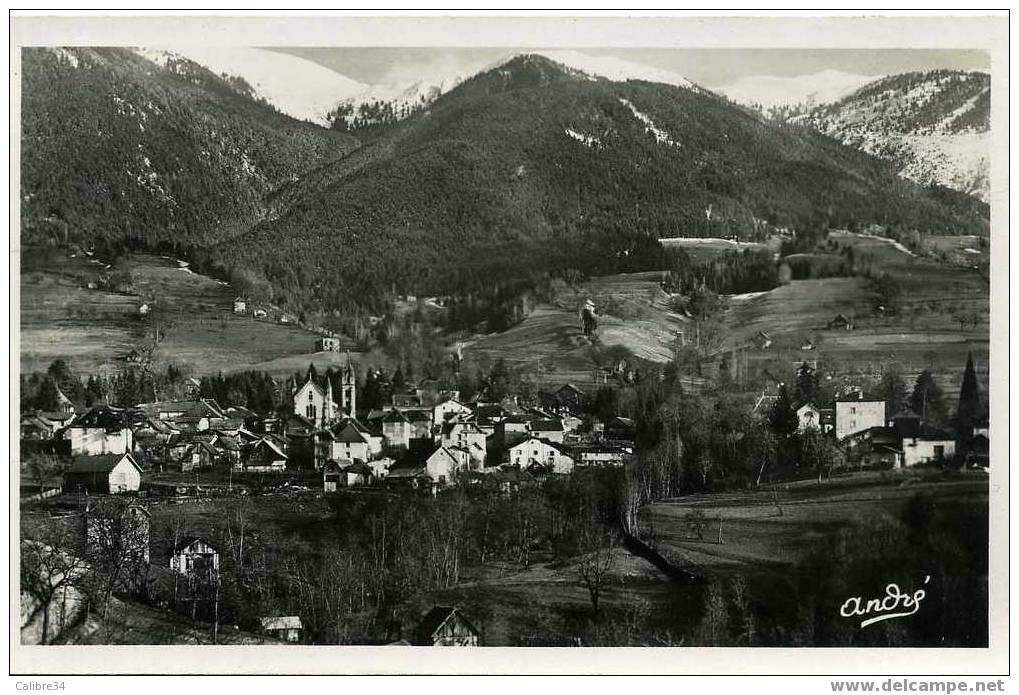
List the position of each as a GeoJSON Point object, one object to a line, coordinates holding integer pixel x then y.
{"type": "Point", "coordinates": [596, 560]}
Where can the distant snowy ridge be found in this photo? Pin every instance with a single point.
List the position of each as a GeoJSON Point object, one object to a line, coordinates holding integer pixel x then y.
{"type": "Point", "coordinates": [768, 91]}
{"type": "Point", "coordinates": [297, 87]}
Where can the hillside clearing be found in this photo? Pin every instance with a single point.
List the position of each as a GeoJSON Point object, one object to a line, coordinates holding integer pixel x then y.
{"type": "Point", "coordinates": [95, 330]}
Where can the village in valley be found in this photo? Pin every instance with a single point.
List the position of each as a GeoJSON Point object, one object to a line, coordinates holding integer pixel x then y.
{"type": "Point", "coordinates": [627, 415]}
{"type": "Point", "coordinates": [158, 496]}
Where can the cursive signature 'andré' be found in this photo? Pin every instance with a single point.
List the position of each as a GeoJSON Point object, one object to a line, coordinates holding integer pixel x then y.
{"type": "Point", "coordinates": [894, 604]}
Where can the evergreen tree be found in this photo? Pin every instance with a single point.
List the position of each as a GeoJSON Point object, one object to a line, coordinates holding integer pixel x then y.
{"type": "Point", "coordinates": [892, 389]}
{"type": "Point", "coordinates": [46, 398]}
{"type": "Point", "coordinates": [927, 400]}
{"type": "Point", "coordinates": [783, 417]}
{"type": "Point", "coordinates": [398, 380]}
{"type": "Point", "coordinates": [970, 403]}
{"type": "Point", "coordinates": [806, 384]}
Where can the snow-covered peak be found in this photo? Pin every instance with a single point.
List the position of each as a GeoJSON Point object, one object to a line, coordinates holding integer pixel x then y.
{"type": "Point", "coordinates": [616, 69]}
{"type": "Point", "coordinates": [297, 87]}
{"type": "Point", "coordinates": [405, 98]}
{"type": "Point", "coordinates": [769, 91]}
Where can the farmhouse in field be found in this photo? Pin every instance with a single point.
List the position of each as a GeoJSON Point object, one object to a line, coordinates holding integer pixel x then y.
{"type": "Point", "coordinates": [445, 626]}
{"type": "Point", "coordinates": [240, 306]}
{"type": "Point", "coordinates": [327, 343]}
{"type": "Point", "coordinates": [840, 323]}
{"type": "Point", "coordinates": [287, 628]}
{"type": "Point", "coordinates": [105, 474]}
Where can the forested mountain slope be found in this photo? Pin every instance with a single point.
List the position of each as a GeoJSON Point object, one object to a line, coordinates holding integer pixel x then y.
{"type": "Point", "coordinates": [117, 147]}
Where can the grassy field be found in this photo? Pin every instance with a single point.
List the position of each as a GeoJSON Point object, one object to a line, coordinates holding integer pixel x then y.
{"type": "Point", "coordinates": [772, 529]}
{"type": "Point", "coordinates": [703, 248]}
{"type": "Point", "coordinates": [95, 329]}
{"type": "Point", "coordinates": [924, 332]}
{"type": "Point", "coordinates": [633, 318]}
{"type": "Point", "coordinates": [967, 250]}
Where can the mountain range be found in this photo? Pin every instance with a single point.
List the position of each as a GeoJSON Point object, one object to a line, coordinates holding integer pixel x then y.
{"type": "Point", "coordinates": [934, 126]}
{"type": "Point", "coordinates": [530, 167]}
{"type": "Point", "coordinates": [825, 100]}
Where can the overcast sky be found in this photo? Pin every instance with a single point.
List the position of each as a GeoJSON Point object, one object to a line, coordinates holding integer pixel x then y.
{"type": "Point", "coordinates": [708, 67]}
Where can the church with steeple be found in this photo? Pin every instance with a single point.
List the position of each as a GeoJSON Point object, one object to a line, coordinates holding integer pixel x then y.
{"type": "Point", "coordinates": [318, 404]}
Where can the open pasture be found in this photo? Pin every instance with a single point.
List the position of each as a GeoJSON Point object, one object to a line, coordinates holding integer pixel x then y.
{"type": "Point", "coordinates": [95, 329]}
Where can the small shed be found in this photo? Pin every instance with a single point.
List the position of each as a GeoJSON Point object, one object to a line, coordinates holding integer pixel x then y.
{"type": "Point", "coordinates": [358, 474]}
{"type": "Point", "coordinates": [445, 626]}
{"type": "Point", "coordinates": [332, 476]}
{"type": "Point", "coordinates": [240, 306]}
{"type": "Point", "coordinates": [287, 627]}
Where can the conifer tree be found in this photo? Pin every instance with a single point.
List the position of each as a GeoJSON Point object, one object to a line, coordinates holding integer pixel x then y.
{"type": "Point", "coordinates": [970, 403]}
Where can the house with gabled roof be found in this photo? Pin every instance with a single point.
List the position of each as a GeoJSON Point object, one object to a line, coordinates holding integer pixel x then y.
{"type": "Point", "coordinates": [396, 429]}
{"type": "Point", "coordinates": [467, 436]}
{"type": "Point", "coordinates": [195, 558]}
{"type": "Point", "coordinates": [571, 398]}
{"type": "Point", "coordinates": [101, 430]}
{"type": "Point", "coordinates": [541, 454]}
{"type": "Point", "coordinates": [840, 323]}
{"type": "Point", "coordinates": [445, 626]}
{"type": "Point", "coordinates": [550, 429]}
{"type": "Point", "coordinates": [450, 409]}
{"type": "Point", "coordinates": [809, 417]}
{"type": "Point", "coordinates": [427, 464]}
{"type": "Point", "coordinates": [200, 408]}
{"type": "Point", "coordinates": [265, 456]}
{"type": "Point", "coordinates": [105, 474]}
{"type": "Point", "coordinates": [286, 627]}
{"type": "Point", "coordinates": [345, 441]}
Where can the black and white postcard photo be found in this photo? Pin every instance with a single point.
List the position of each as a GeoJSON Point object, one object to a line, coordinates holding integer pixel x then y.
{"type": "Point", "coordinates": [495, 344]}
